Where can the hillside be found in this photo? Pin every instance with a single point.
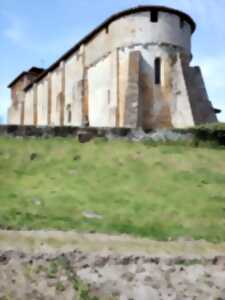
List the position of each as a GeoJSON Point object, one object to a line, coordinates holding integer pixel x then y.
{"type": "Point", "coordinates": [156, 191]}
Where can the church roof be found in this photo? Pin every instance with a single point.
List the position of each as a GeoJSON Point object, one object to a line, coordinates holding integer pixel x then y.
{"type": "Point", "coordinates": [33, 70]}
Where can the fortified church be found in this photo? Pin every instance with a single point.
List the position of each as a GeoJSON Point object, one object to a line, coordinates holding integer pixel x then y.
{"type": "Point", "coordinates": [131, 71]}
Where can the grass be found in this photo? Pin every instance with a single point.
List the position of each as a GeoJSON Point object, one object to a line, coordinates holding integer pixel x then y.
{"type": "Point", "coordinates": [161, 191]}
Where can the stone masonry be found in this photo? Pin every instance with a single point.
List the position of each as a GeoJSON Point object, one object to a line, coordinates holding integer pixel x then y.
{"type": "Point", "coordinates": [132, 71]}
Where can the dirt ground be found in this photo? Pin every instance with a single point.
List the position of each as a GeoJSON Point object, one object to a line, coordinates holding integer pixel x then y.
{"type": "Point", "coordinates": [59, 265]}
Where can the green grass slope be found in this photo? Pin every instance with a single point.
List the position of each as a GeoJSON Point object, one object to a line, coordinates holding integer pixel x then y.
{"type": "Point", "coordinates": [160, 192]}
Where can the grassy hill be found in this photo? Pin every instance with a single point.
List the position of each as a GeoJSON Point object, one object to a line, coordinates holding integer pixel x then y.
{"type": "Point", "coordinates": [161, 192]}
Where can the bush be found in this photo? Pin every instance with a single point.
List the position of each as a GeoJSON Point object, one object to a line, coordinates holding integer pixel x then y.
{"type": "Point", "coordinates": [213, 133]}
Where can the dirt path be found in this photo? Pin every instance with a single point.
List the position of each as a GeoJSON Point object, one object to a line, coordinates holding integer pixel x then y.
{"type": "Point", "coordinates": [57, 241]}
{"type": "Point", "coordinates": [55, 265]}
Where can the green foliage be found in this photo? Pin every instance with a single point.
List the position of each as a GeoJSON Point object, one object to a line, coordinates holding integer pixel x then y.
{"type": "Point", "coordinates": [164, 191]}
{"type": "Point", "coordinates": [63, 264]}
{"type": "Point", "coordinates": [60, 287]}
{"type": "Point", "coordinates": [212, 127]}
{"type": "Point", "coordinates": [82, 290]}
{"type": "Point", "coordinates": [213, 134]}
{"type": "Point", "coordinates": [188, 263]}
{"type": "Point", "coordinates": [52, 270]}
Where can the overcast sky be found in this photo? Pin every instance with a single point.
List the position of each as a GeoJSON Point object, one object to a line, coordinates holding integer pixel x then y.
{"type": "Point", "coordinates": [36, 33]}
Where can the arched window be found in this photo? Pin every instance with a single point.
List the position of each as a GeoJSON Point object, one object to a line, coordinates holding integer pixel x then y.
{"type": "Point", "coordinates": [158, 70]}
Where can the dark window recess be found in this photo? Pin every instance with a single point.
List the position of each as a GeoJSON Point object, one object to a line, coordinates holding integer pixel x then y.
{"type": "Point", "coordinates": [158, 70]}
{"type": "Point", "coordinates": [109, 97]}
{"type": "Point", "coordinates": [59, 102]}
{"type": "Point", "coordinates": [154, 16]}
{"type": "Point", "coordinates": [69, 114]}
{"type": "Point", "coordinates": [181, 23]}
{"type": "Point", "coordinates": [107, 29]}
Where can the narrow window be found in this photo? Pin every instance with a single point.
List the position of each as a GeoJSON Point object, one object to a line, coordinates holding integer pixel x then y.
{"type": "Point", "coordinates": [59, 102]}
{"type": "Point", "coordinates": [69, 113]}
{"type": "Point", "coordinates": [109, 97]}
{"type": "Point", "coordinates": [158, 70]}
{"type": "Point", "coordinates": [154, 16]}
{"type": "Point", "coordinates": [181, 23]}
{"type": "Point", "coordinates": [69, 116]}
{"type": "Point", "coordinates": [107, 29]}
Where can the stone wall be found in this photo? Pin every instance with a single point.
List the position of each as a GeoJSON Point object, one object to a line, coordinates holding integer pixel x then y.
{"type": "Point", "coordinates": [211, 134]}
{"type": "Point", "coordinates": [45, 132]}
{"type": "Point", "coordinates": [180, 106]}
{"type": "Point", "coordinates": [202, 108]}
{"type": "Point", "coordinates": [97, 73]}
{"type": "Point", "coordinates": [29, 107]}
{"type": "Point", "coordinates": [97, 84]}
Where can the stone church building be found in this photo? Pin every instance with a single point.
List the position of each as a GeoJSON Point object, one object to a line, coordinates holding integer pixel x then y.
{"type": "Point", "coordinates": [131, 71]}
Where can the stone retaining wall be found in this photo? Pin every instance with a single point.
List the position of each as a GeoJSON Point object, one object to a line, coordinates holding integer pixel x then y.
{"type": "Point", "coordinates": [32, 131]}
{"type": "Point", "coordinates": [197, 134]}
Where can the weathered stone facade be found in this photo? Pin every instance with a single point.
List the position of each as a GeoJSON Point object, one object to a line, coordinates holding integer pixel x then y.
{"type": "Point", "coordinates": [132, 71]}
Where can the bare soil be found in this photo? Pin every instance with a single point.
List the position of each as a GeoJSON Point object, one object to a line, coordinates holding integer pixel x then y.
{"type": "Point", "coordinates": [67, 265]}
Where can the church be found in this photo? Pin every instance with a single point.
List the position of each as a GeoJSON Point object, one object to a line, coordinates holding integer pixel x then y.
{"type": "Point", "coordinates": [132, 71]}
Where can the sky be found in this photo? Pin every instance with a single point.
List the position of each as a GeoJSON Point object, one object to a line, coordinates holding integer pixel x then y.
{"type": "Point", "coordinates": [36, 33]}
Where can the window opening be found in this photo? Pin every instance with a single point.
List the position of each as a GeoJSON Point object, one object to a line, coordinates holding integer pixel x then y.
{"type": "Point", "coordinates": [154, 16]}
{"type": "Point", "coordinates": [158, 70]}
